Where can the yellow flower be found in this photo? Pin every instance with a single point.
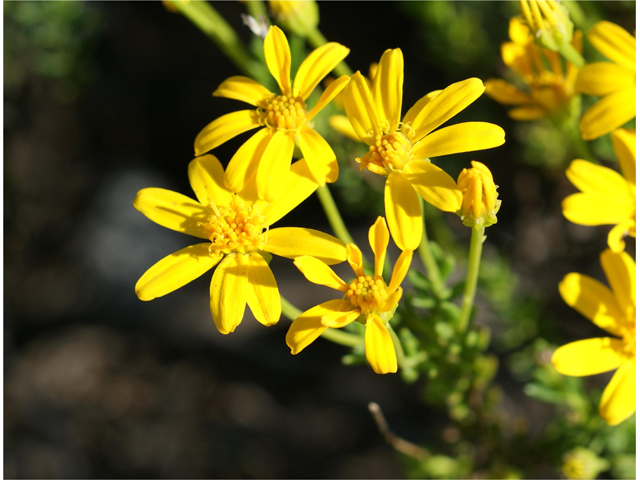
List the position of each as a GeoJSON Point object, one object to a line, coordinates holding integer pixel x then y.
{"type": "Point", "coordinates": [549, 21]}
{"type": "Point", "coordinates": [401, 150]}
{"type": "Point", "coordinates": [550, 87]}
{"type": "Point", "coordinates": [606, 196]}
{"type": "Point", "coordinates": [613, 310]}
{"type": "Point", "coordinates": [237, 229]}
{"type": "Point", "coordinates": [615, 82]}
{"type": "Point", "coordinates": [286, 121]}
{"type": "Point", "coordinates": [479, 196]}
{"type": "Point", "coordinates": [301, 17]}
{"type": "Point", "coordinates": [367, 299]}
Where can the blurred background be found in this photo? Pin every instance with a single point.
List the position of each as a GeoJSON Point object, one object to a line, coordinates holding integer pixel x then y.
{"type": "Point", "coordinates": [102, 99]}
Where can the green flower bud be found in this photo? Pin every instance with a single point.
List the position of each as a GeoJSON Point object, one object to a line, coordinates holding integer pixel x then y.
{"type": "Point", "coordinates": [299, 17]}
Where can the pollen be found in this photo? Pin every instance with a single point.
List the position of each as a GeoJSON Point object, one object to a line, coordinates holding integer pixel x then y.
{"type": "Point", "coordinates": [283, 112]}
{"type": "Point", "coordinates": [391, 152]}
{"type": "Point", "coordinates": [368, 293]}
{"type": "Point", "coordinates": [238, 228]}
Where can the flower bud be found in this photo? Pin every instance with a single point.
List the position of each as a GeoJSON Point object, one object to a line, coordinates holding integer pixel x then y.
{"type": "Point", "coordinates": [549, 21]}
{"type": "Point", "coordinates": [583, 463]}
{"type": "Point", "coordinates": [299, 17]}
{"type": "Point", "coordinates": [479, 196]}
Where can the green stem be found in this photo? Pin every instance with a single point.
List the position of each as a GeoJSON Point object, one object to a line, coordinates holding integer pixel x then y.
{"type": "Point", "coordinates": [475, 253]}
{"type": "Point", "coordinates": [316, 39]}
{"type": "Point", "coordinates": [335, 336]}
{"type": "Point", "coordinates": [257, 9]}
{"type": "Point", "coordinates": [213, 25]}
{"type": "Point", "coordinates": [333, 215]}
{"type": "Point", "coordinates": [580, 146]}
{"type": "Point", "coordinates": [428, 260]}
{"type": "Point", "coordinates": [571, 54]}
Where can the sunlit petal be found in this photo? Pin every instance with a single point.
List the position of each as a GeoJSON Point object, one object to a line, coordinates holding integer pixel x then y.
{"type": "Point", "coordinates": [588, 357]}
{"type": "Point", "coordinates": [316, 66]}
{"type": "Point", "coordinates": [618, 400]}
{"type": "Point", "coordinates": [228, 293]}
{"type": "Point", "coordinates": [434, 185]}
{"type": "Point", "coordinates": [292, 242]}
{"type": "Point", "coordinates": [609, 113]}
{"type": "Point", "coordinates": [262, 291]}
{"type": "Point", "coordinates": [462, 137]}
{"type": "Point", "coordinates": [379, 349]}
{"type": "Point", "coordinates": [387, 88]}
{"type": "Point", "coordinates": [379, 240]}
{"type": "Point", "coordinates": [273, 168]}
{"type": "Point", "coordinates": [225, 128]}
{"type": "Point", "coordinates": [318, 272]}
{"type": "Point", "coordinates": [278, 57]}
{"type": "Point", "coordinates": [403, 212]}
{"type": "Point", "coordinates": [243, 89]}
{"type": "Point", "coordinates": [319, 156]}
{"type": "Point", "coordinates": [244, 163]}
{"type": "Point", "coordinates": [206, 178]}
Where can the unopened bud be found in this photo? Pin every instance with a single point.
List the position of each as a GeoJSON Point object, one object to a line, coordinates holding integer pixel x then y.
{"type": "Point", "coordinates": [583, 463]}
{"type": "Point", "coordinates": [549, 22]}
{"type": "Point", "coordinates": [479, 196]}
{"type": "Point", "coordinates": [299, 17]}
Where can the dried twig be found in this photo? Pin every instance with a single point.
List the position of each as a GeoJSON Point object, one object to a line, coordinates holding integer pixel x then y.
{"type": "Point", "coordinates": [401, 445]}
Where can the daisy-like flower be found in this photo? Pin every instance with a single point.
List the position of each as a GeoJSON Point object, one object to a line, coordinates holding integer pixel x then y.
{"type": "Point", "coordinates": [613, 310]}
{"type": "Point", "coordinates": [615, 82]}
{"type": "Point", "coordinates": [550, 87]}
{"type": "Point", "coordinates": [606, 198]}
{"type": "Point", "coordinates": [236, 227]}
{"type": "Point", "coordinates": [367, 299]}
{"type": "Point", "coordinates": [401, 150]}
{"type": "Point", "coordinates": [284, 118]}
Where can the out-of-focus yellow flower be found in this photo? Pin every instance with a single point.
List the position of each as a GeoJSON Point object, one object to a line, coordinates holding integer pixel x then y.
{"type": "Point", "coordinates": [286, 121]}
{"type": "Point", "coordinates": [400, 150]}
{"type": "Point", "coordinates": [582, 463]}
{"type": "Point", "coordinates": [300, 17]}
{"type": "Point", "coordinates": [551, 88]}
{"type": "Point", "coordinates": [613, 310]}
{"type": "Point", "coordinates": [237, 229]}
{"type": "Point", "coordinates": [606, 196]}
{"type": "Point", "coordinates": [549, 21]}
{"type": "Point", "coordinates": [615, 82]}
{"type": "Point", "coordinates": [479, 196]}
{"type": "Point", "coordinates": [367, 299]}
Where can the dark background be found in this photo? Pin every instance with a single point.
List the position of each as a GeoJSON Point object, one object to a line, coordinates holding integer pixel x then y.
{"type": "Point", "coordinates": [103, 99]}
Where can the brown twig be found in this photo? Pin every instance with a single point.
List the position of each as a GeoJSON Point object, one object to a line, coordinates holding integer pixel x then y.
{"type": "Point", "coordinates": [401, 445]}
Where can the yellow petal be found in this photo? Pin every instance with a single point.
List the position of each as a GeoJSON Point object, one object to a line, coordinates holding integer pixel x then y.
{"type": "Point", "coordinates": [624, 144]}
{"type": "Point", "coordinates": [206, 179]}
{"type": "Point", "coordinates": [609, 113]}
{"type": "Point", "coordinates": [274, 165]}
{"type": "Point", "coordinates": [402, 209]}
{"type": "Point", "coordinates": [392, 300]}
{"type": "Point", "coordinates": [620, 270]}
{"type": "Point", "coordinates": [506, 93]}
{"type": "Point", "coordinates": [244, 163]}
{"type": "Point", "coordinates": [434, 185]}
{"type": "Point", "coordinates": [292, 242]}
{"type": "Point", "coordinates": [618, 400]}
{"type": "Point", "coordinates": [615, 239]}
{"type": "Point", "coordinates": [243, 89]}
{"type": "Point", "coordinates": [588, 357]}
{"type": "Point", "coordinates": [228, 293]}
{"type": "Point", "coordinates": [342, 125]}
{"type": "Point", "coordinates": [319, 156]}
{"type": "Point", "coordinates": [615, 43]}
{"type": "Point", "coordinates": [318, 272]}
{"type": "Point", "coordinates": [225, 128]}
{"type": "Point", "coordinates": [591, 178]}
{"type": "Point", "coordinates": [298, 185]}
{"type": "Point", "coordinates": [603, 78]}
{"type": "Point", "coordinates": [316, 66]}
{"type": "Point", "coordinates": [360, 109]}
{"type": "Point", "coordinates": [306, 328]}
{"type": "Point", "coordinates": [329, 94]}
{"type": "Point", "coordinates": [448, 103]}
{"type": "Point", "coordinates": [175, 271]}
{"type": "Point", "coordinates": [354, 257]}
{"type": "Point", "coordinates": [400, 270]}
{"type": "Point", "coordinates": [340, 313]}
{"type": "Point", "coordinates": [413, 112]}
{"type": "Point", "coordinates": [463, 137]}
{"type": "Point", "coordinates": [278, 57]}
{"type": "Point", "coordinates": [387, 88]}
{"type": "Point", "coordinates": [379, 240]}
{"type": "Point", "coordinates": [593, 300]}
{"type": "Point", "coordinates": [263, 297]}
{"type": "Point", "coordinates": [172, 210]}
{"type": "Point", "coordinates": [517, 58]}
{"type": "Point", "coordinates": [596, 209]}
{"type": "Point", "coordinates": [379, 347]}
{"type": "Point", "coordinates": [524, 114]}
{"type": "Point", "coordinates": [519, 31]}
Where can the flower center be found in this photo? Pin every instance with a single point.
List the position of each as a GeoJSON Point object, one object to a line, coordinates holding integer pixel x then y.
{"type": "Point", "coordinates": [237, 228]}
{"type": "Point", "coordinates": [390, 152]}
{"type": "Point", "coordinates": [283, 112]}
{"type": "Point", "coordinates": [368, 293]}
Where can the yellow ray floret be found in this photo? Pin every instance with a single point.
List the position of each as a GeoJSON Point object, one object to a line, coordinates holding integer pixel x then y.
{"type": "Point", "coordinates": [401, 150]}
{"type": "Point", "coordinates": [367, 299]}
{"type": "Point", "coordinates": [236, 226]}
{"type": "Point", "coordinates": [284, 116]}
{"type": "Point", "coordinates": [613, 310]}
{"type": "Point", "coordinates": [606, 197]}
{"type": "Point", "coordinates": [479, 196]}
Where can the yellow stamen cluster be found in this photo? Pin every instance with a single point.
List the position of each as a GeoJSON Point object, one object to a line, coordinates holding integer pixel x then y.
{"type": "Point", "coordinates": [390, 152]}
{"type": "Point", "coordinates": [479, 196]}
{"type": "Point", "coordinates": [283, 112]}
{"type": "Point", "coordinates": [237, 228]}
{"type": "Point", "coordinates": [368, 293]}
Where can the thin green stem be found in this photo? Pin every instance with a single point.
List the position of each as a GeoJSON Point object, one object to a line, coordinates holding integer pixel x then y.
{"type": "Point", "coordinates": [475, 253]}
{"type": "Point", "coordinates": [335, 336]}
{"type": "Point", "coordinates": [333, 215]}
{"type": "Point", "coordinates": [428, 260]}
{"type": "Point", "coordinates": [316, 39]}
{"type": "Point", "coordinates": [580, 146]}
{"type": "Point", "coordinates": [572, 55]}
